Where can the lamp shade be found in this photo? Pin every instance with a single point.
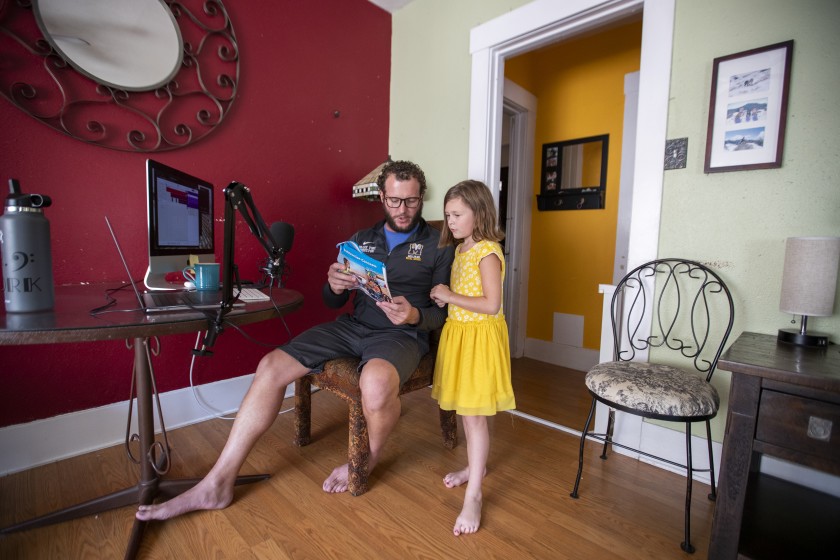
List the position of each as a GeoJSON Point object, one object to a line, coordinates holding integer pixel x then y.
{"type": "Point", "coordinates": [809, 281]}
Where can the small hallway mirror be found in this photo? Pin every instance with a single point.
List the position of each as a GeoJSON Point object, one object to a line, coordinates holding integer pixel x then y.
{"type": "Point", "coordinates": [574, 174]}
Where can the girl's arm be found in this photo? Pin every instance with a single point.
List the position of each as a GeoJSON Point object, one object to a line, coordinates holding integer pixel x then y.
{"type": "Point", "coordinates": [490, 268]}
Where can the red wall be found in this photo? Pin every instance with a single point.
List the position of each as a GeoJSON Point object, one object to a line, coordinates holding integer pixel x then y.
{"type": "Point", "coordinates": [300, 62]}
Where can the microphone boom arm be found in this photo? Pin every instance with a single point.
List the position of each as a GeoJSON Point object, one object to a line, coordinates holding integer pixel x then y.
{"type": "Point", "coordinates": [238, 197]}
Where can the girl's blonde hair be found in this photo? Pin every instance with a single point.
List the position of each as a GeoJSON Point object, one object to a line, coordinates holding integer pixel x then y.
{"type": "Point", "coordinates": [476, 195]}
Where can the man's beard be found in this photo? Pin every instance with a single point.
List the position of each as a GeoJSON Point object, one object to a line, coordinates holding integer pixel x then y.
{"type": "Point", "coordinates": [394, 227]}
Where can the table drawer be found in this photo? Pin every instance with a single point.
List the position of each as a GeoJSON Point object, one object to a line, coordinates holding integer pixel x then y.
{"type": "Point", "coordinates": [800, 424]}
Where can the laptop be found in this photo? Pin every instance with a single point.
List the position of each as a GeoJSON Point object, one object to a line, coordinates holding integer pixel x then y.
{"type": "Point", "coordinates": [169, 302]}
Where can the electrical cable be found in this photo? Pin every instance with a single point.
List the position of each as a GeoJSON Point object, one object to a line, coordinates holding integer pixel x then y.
{"type": "Point", "coordinates": [218, 414]}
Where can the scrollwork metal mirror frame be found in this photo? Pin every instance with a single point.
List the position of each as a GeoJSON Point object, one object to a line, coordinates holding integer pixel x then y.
{"type": "Point", "coordinates": [38, 80]}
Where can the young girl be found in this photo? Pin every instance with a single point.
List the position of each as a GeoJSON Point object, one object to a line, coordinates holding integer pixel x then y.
{"type": "Point", "coordinates": [472, 372]}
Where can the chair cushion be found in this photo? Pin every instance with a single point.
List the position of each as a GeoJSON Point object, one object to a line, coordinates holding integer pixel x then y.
{"type": "Point", "coordinates": [654, 390]}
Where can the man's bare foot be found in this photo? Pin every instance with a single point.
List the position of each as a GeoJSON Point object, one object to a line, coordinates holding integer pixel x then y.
{"type": "Point", "coordinates": [456, 478]}
{"type": "Point", "coordinates": [204, 495]}
{"type": "Point", "coordinates": [470, 517]}
{"type": "Point", "coordinates": [338, 480]}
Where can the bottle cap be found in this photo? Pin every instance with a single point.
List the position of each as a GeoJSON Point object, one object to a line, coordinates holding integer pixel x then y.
{"type": "Point", "coordinates": [17, 199]}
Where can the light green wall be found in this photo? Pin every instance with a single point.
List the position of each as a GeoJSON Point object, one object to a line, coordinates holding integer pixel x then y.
{"type": "Point", "coordinates": [738, 221]}
{"type": "Point", "coordinates": [430, 87]}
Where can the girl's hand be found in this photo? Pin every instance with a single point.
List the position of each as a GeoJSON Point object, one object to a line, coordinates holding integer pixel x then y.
{"type": "Point", "coordinates": [441, 295]}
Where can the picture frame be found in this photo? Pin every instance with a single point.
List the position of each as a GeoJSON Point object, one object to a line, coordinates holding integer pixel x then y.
{"type": "Point", "coordinates": [748, 109]}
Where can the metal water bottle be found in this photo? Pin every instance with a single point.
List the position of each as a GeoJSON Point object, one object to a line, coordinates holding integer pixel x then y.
{"type": "Point", "coordinates": [25, 244]}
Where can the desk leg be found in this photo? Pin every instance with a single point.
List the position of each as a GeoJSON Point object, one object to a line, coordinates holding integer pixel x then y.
{"type": "Point", "coordinates": [736, 460]}
{"type": "Point", "coordinates": [150, 485]}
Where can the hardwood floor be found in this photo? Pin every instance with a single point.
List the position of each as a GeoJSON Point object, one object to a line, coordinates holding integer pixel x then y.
{"type": "Point", "coordinates": [627, 509]}
{"type": "Point", "coordinates": [553, 393]}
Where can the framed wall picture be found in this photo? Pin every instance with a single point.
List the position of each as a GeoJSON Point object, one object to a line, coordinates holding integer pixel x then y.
{"type": "Point", "coordinates": [748, 109]}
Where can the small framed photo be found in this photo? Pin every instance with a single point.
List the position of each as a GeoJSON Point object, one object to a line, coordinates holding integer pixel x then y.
{"type": "Point", "coordinates": [748, 109]}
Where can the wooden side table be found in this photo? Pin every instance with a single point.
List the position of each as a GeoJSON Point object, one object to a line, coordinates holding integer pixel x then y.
{"type": "Point", "coordinates": [785, 402]}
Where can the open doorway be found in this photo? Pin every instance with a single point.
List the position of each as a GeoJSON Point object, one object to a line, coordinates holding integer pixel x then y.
{"type": "Point", "coordinates": [544, 23]}
{"type": "Point", "coordinates": [545, 392]}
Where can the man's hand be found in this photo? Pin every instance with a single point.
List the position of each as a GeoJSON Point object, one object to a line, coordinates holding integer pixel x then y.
{"type": "Point", "coordinates": [340, 280]}
{"type": "Point", "coordinates": [399, 311]}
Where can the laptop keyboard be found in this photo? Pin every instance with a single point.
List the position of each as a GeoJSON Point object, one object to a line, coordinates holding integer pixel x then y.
{"type": "Point", "coordinates": [170, 299]}
{"type": "Point", "coordinates": [167, 299]}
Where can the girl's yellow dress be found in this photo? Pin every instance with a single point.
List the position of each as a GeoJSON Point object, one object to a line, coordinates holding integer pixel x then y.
{"type": "Point", "coordinates": [472, 372]}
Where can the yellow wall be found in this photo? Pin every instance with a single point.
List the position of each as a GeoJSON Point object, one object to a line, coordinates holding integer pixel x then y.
{"type": "Point", "coordinates": [579, 87]}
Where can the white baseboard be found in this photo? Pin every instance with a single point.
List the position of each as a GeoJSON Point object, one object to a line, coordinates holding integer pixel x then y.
{"type": "Point", "coordinates": [670, 444]}
{"type": "Point", "coordinates": [45, 441]}
{"type": "Point", "coordinates": [573, 357]}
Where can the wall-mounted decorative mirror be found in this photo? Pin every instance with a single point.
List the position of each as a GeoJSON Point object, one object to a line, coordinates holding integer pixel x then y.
{"type": "Point", "coordinates": [134, 45]}
{"type": "Point", "coordinates": [131, 75]}
{"type": "Point", "coordinates": [574, 174]}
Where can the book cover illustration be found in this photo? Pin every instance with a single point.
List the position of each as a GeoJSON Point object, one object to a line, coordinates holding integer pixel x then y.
{"type": "Point", "coordinates": [369, 273]}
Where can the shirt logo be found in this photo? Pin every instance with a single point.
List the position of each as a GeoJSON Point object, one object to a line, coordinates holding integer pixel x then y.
{"type": "Point", "coordinates": [368, 247]}
{"type": "Point", "coordinates": [415, 252]}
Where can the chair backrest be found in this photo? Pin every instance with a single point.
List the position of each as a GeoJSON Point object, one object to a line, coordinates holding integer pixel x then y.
{"type": "Point", "coordinates": [672, 304]}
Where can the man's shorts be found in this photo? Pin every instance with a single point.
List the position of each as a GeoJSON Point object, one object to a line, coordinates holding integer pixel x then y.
{"type": "Point", "coordinates": [346, 337]}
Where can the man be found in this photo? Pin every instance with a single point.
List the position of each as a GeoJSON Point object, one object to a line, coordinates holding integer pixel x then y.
{"type": "Point", "coordinates": [389, 337]}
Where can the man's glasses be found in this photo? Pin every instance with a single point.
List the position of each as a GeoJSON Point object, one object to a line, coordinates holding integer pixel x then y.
{"type": "Point", "coordinates": [394, 202]}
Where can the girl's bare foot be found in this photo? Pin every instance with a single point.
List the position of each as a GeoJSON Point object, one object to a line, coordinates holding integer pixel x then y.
{"type": "Point", "coordinates": [204, 495]}
{"type": "Point", "coordinates": [470, 517]}
{"type": "Point", "coordinates": [456, 478]}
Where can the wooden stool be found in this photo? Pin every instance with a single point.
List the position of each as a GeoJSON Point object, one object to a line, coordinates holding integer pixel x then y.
{"type": "Point", "coordinates": [340, 376]}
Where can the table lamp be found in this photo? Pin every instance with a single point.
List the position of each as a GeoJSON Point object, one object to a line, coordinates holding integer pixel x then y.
{"type": "Point", "coordinates": [809, 283]}
{"type": "Point", "coordinates": [366, 187]}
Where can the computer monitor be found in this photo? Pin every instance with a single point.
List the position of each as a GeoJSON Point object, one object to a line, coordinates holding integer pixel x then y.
{"type": "Point", "coordinates": [180, 218]}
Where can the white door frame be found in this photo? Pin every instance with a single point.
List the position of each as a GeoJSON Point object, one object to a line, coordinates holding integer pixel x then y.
{"type": "Point", "coordinates": [543, 22]}
{"type": "Point", "coordinates": [523, 105]}
{"type": "Point", "coordinates": [628, 161]}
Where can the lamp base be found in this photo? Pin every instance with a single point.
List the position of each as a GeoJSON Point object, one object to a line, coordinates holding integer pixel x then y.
{"type": "Point", "coordinates": [794, 336]}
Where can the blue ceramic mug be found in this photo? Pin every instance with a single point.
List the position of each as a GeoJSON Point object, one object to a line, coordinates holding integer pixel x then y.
{"type": "Point", "coordinates": [205, 276]}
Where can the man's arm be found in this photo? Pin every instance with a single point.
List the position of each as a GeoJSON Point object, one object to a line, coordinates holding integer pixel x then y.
{"type": "Point", "coordinates": [423, 317]}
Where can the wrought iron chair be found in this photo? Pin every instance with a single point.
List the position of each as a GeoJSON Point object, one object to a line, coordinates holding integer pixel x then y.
{"type": "Point", "coordinates": [670, 308]}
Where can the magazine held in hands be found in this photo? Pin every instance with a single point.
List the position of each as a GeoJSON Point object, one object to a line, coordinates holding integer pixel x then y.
{"type": "Point", "coordinates": [369, 273]}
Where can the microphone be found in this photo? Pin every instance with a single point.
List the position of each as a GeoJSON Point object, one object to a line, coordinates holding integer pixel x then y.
{"type": "Point", "coordinates": [282, 234]}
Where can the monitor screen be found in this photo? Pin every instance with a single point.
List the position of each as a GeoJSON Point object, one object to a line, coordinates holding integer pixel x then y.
{"type": "Point", "coordinates": [180, 219]}
{"type": "Point", "coordinates": [180, 212]}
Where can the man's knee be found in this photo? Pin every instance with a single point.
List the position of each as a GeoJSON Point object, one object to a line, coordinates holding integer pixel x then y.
{"type": "Point", "coordinates": [280, 367]}
{"type": "Point", "coordinates": [379, 384]}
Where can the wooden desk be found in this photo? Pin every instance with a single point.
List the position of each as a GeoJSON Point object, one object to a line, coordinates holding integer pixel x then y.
{"type": "Point", "coordinates": [784, 401]}
{"type": "Point", "coordinates": [71, 321]}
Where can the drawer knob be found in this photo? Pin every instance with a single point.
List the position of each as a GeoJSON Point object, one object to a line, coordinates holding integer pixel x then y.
{"type": "Point", "coordinates": [819, 428]}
